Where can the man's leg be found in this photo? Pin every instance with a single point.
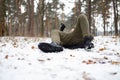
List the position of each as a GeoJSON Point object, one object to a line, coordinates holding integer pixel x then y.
{"type": "Point", "coordinates": [55, 36]}
{"type": "Point", "coordinates": [54, 46]}
{"type": "Point", "coordinates": [82, 26]}
{"type": "Point", "coordinates": [82, 31]}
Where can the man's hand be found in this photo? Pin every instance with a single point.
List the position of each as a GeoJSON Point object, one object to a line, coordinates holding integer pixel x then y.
{"type": "Point", "coordinates": [62, 27]}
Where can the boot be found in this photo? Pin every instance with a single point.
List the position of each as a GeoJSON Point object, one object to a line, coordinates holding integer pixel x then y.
{"type": "Point", "coordinates": [88, 42]}
{"type": "Point", "coordinates": [89, 45]}
{"type": "Point", "coordinates": [62, 27]}
{"type": "Point", "coordinates": [50, 47]}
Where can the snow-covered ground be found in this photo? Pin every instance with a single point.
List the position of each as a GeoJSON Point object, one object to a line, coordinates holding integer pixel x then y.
{"type": "Point", "coordinates": [20, 59]}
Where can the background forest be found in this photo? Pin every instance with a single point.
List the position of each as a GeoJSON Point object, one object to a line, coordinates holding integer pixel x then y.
{"type": "Point", "coordinates": [26, 23]}
{"type": "Point", "coordinates": [39, 17]}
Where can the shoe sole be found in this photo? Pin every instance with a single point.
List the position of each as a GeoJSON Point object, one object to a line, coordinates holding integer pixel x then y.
{"type": "Point", "coordinates": [46, 47]}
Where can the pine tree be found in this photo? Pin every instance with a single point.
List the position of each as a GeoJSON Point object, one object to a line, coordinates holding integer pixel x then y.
{"type": "Point", "coordinates": [2, 17]}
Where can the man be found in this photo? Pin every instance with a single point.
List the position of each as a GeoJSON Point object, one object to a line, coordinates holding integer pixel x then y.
{"type": "Point", "coordinates": [79, 38]}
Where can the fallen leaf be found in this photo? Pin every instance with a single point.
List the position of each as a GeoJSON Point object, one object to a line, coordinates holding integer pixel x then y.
{"type": "Point", "coordinates": [115, 43]}
{"type": "Point", "coordinates": [41, 60]}
{"type": "Point", "coordinates": [25, 39]}
{"type": "Point", "coordinates": [21, 58]}
{"type": "Point", "coordinates": [15, 67]}
{"type": "Point", "coordinates": [89, 62]}
{"type": "Point", "coordinates": [18, 58]}
{"type": "Point", "coordinates": [102, 49]}
{"type": "Point", "coordinates": [48, 59]}
{"type": "Point", "coordinates": [115, 62]}
{"type": "Point", "coordinates": [14, 43]}
{"type": "Point", "coordinates": [106, 42]}
{"type": "Point", "coordinates": [113, 50]}
{"type": "Point", "coordinates": [6, 57]}
{"type": "Point", "coordinates": [72, 55]}
{"type": "Point", "coordinates": [113, 73]}
{"type": "Point", "coordinates": [84, 61]}
{"type": "Point", "coordinates": [4, 45]}
{"type": "Point", "coordinates": [105, 57]}
{"type": "Point", "coordinates": [29, 63]}
{"type": "Point", "coordinates": [102, 62]}
{"type": "Point", "coordinates": [33, 47]}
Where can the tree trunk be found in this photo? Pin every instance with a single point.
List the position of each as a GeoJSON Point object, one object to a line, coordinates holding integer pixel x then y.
{"type": "Point", "coordinates": [31, 17]}
{"type": "Point", "coordinates": [104, 27]}
{"type": "Point", "coordinates": [104, 15]}
{"type": "Point", "coordinates": [75, 9]}
{"type": "Point", "coordinates": [79, 6]}
{"type": "Point", "coordinates": [56, 20]}
{"type": "Point", "coordinates": [2, 17]}
{"type": "Point", "coordinates": [104, 21]}
{"type": "Point", "coordinates": [10, 28]}
{"type": "Point", "coordinates": [18, 5]}
{"type": "Point", "coordinates": [41, 16]}
{"type": "Point", "coordinates": [115, 17]}
{"type": "Point", "coordinates": [89, 14]}
{"type": "Point", "coordinates": [47, 24]}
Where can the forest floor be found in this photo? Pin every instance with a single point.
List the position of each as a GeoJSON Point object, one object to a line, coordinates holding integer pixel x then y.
{"type": "Point", "coordinates": [20, 59]}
